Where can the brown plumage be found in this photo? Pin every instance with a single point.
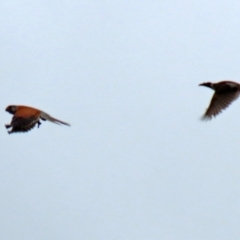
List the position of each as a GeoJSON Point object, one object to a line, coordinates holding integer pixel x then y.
{"type": "Point", "coordinates": [225, 93]}
{"type": "Point", "coordinates": [25, 118]}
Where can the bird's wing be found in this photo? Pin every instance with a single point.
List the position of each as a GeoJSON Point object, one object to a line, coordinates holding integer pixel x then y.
{"type": "Point", "coordinates": [219, 102]}
{"type": "Point", "coordinates": [23, 124]}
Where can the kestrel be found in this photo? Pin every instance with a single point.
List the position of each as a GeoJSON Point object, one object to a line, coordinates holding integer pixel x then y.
{"type": "Point", "coordinates": [25, 118]}
{"type": "Point", "coordinates": [225, 93]}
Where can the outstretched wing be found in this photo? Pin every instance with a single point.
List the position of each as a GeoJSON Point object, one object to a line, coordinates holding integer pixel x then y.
{"type": "Point", "coordinates": [219, 102]}
{"type": "Point", "coordinates": [20, 124]}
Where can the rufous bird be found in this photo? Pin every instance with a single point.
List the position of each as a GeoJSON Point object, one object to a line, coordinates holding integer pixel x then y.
{"type": "Point", "coordinates": [225, 93]}
{"type": "Point", "coordinates": [25, 118]}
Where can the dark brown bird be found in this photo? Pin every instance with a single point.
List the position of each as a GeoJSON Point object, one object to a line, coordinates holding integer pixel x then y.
{"type": "Point", "coordinates": [225, 93]}
{"type": "Point", "coordinates": [25, 118]}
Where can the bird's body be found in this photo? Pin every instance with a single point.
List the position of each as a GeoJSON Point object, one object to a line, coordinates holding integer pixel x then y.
{"type": "Point", "coordinates": [225, 93]}
{"type": "Point", "coordinates": [25, 118]}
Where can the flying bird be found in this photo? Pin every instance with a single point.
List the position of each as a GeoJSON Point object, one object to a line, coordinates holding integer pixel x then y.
{"type": "Point", "coordinates": [25, 118]}
{"type": "Point", "coordinates": [225, 93]}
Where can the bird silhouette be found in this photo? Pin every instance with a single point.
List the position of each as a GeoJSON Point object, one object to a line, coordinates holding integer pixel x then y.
{"type": "Point", "coordinates": [225, 93]}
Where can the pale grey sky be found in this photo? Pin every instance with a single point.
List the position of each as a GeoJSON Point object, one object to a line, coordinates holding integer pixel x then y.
{"type": "Point", "coordinates": [137, 162]}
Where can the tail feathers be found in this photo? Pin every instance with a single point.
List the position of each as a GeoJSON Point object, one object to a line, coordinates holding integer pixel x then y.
{"type": "Point", "coordinates": [46, 116]}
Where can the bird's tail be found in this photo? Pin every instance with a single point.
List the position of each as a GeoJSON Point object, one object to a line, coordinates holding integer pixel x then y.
{"type": "Point", "coordinates": [46, 116]}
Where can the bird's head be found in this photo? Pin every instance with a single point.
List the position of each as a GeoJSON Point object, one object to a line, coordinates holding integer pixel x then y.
{"type": "Point", "coordinates": [206, 84]}
{"type": "Point", "coordinates": [11, 109]}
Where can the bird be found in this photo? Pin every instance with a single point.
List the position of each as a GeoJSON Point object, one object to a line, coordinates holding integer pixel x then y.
{"type": "Point", "coordinates": [25, 118]}
{"type": "Point", "coordinates": [225, 93]}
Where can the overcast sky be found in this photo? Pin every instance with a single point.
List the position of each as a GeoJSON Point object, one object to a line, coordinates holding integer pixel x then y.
{"type": "Point", "coordinates": [137, 163]}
